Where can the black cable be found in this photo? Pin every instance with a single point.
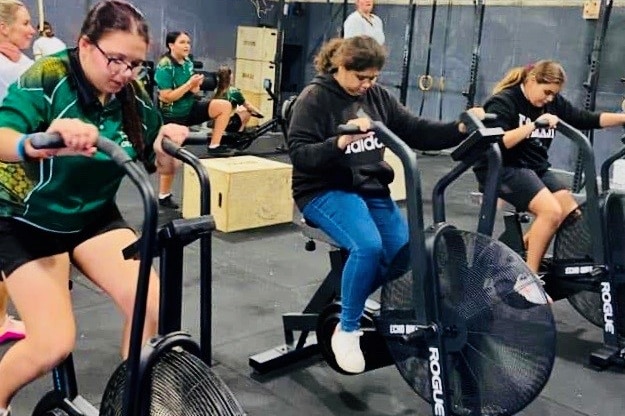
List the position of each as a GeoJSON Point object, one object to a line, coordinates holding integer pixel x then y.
{"type": "Point", "coordinates": [426, 81]}
{"type": "Point", "coordinates": [478, 25]}
{"type": "Point", "coordinates": [592, 82]}
{"type": "Point", "coordinates": [443, 71]}
{"type": "Point", "coordinates": [405, 65]}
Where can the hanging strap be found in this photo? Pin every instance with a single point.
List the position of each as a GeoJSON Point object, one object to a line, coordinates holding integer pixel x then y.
{"type": "Point", "coordinates": [426, 81]}
{"type": "Point", "coordinates": [405, 65]}
{"type": "Point", "coordinates": [478, 25]}
{"type": "Point", "coordinates": [443, 68]}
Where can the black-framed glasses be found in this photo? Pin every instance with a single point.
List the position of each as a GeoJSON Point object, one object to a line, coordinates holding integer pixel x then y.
{"type": "Point", "coordinates": [117, 65]}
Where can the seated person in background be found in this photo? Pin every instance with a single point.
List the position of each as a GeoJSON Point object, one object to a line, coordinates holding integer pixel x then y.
{"type": "Point", "coordinates": [243, 109]}
{"type": "Point", "coordinates": [177, 88]}
{"type": "Point", "coordinates": [47, 43]}
{"type": "Point", "coordinates": [523, 96]}
{"type": "Point", "coordinates": [341, 185]}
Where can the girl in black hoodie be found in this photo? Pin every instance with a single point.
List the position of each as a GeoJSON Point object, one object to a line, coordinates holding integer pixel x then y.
{"type": "Point", "coordinates": [524, 95]}
{"type": "Point", "coordinates": [340, 183]}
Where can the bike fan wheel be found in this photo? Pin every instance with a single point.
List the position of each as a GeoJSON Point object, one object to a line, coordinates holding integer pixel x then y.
{"type": "Point", "coordinates": [573, 241]}
{"type": "Point", "coordinates": [181, 384]}
{"type": "Point", "coordinates": [500, 336]}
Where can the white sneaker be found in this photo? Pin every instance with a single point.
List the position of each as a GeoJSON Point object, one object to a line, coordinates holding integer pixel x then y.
{"type": "Point", "coordinates": [527, 286]}
{"type": "Point", "coordinates": [346, 349]}
{"type": "Point", "coordinates": [5, 412]}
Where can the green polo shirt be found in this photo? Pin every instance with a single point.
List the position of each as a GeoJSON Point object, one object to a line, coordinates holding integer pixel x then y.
{"type": "Point", "coordinates": [234, 95]}
{"type": "Point", "coordinates": [65, 193]}
{"type": "Point", "coordinates": [169, 75]}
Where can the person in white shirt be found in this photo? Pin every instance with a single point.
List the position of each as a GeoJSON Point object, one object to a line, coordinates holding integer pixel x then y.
{"type": "Point", "coordinates": [47, 43]}
{"type": "Point", "coordinates": [363, 22]}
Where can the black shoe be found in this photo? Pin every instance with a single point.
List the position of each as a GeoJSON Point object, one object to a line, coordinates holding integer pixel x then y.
{"type": "Point", "coordinates": [220, 151]}
{"type": "Point", "coordinates": [168, 202]}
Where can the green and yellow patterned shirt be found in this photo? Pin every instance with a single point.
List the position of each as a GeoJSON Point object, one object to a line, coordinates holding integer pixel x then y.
{"type": "Point", "coordinates": [65, 193]}
{"type": "Point", "coordinates": [169, 75]}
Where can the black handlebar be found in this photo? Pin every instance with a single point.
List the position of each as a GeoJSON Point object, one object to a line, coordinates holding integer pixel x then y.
{"type": "Point", "coordinates": [348, 129]}
{"type": "Point", "coordinates": [473, 123]}
{"type": "Point", "coordinates": [418, 254]}
{"type": "Point", "coordinates": [592, 194]}
{"type": "Point", "coordinates": [55, 141]}
{"type": "Point", "coordinates": [541, 124]}
{"type": "Point", "coordinates": [140, 178]}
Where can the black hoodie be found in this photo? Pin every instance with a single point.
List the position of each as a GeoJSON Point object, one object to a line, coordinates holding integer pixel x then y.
{"type": "Point", "coordinates": [319, 164]}
{"type": "Point", "coordinates": [513, 110]}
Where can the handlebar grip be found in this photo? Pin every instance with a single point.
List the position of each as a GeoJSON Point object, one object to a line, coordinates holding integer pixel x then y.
{"type": "Point", "coordinates": [541, 124]}
{"type": "Point", "coordinates": [472, 122]}
{"type": "Point", "coordinates": [43, 140]}
{"type": "Point", "coordinates": [348, 129]}
{"type": "Point", "coordinates": [55, 141]}
{"type": "Point", "coordinates": [169, 146]}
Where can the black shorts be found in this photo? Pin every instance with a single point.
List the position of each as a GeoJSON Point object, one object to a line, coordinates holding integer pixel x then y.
{"type": "Point", "coordinates": [520, 185]}
{"type": "Point", "coordinates": [234, 124]}
{"type": "Point", "coordinates": [21, 243]}
{"type": "Point", "coordinates": [197, 115]}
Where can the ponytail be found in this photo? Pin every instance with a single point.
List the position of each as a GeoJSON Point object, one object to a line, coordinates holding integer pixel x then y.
{"type": "Point", "coordinates": [131, 122]}
{"type": "Point", "coordinates": [323, 60]}
{"type": "Point", "coordinates": [544, 71]}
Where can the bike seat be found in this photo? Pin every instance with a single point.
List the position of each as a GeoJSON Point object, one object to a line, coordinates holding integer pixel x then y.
{"type": "Point", "coordinates": [310, 230]}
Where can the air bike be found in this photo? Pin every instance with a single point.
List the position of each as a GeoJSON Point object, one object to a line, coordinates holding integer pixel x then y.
{"type": "Point", "coordinates": [455, 324]}
{"type": "Point", "coordinates": [587, 265]}
{"type": "Point", "coordinates": [171, 374]}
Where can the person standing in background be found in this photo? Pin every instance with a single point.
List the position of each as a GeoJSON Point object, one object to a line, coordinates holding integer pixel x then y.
{"type": "Point", "coordinates": [364, 22]}
{"type": "Point", "coordinates": [47, 43]}
{"type": "Point", "coordinates": [16, 35]}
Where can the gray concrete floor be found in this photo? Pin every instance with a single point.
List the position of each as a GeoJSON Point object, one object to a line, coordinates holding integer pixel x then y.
{"type": "Point", "coordinates": [260, 274]}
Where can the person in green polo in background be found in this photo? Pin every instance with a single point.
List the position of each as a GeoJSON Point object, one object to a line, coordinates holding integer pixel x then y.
{"type": "Point", "coordinates": [242, 109]}
{"type": "Point", "coordinates": [178, 85]}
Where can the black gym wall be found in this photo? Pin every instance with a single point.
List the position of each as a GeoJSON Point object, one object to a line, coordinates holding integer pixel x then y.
{"type": "Point", "coordinates": [513, 35]}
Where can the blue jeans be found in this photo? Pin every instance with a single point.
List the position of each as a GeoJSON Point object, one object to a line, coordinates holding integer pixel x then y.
{"type": "Point", "coordinates": [372, 230]}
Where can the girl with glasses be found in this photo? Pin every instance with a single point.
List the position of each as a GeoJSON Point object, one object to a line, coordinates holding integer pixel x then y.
{"type": "Point", "coordinates": [57, 210]}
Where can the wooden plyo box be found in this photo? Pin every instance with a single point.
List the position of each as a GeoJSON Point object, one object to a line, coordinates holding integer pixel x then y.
{"type": "Point", "coordinates": [398, 186]}
{"type": "Point", "coordinates": [256, 43]}
{"type": "Point", "coordinates": [250, 75]}
{"type": "Point", "coordinates": [246, 192]}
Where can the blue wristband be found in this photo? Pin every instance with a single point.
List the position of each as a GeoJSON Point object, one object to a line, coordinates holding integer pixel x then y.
{"type": "Point", "coordinates": [21, 148]}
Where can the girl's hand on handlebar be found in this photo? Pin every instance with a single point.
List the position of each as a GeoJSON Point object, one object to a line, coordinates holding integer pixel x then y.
{"type": "Point", "coordinates": [79, 137]}
{"type": "Point", "coordinates": [549, 118]}
{"type": "Point", "coordinates": [174, 132]}
{"type": "Point", "coordinates": [364, 124]}
{"type": "Point", "coordinates": [476, 111]}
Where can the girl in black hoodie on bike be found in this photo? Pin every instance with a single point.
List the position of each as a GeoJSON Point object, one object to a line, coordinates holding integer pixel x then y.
{"type": "Point", "coordinates": [340, 183]}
